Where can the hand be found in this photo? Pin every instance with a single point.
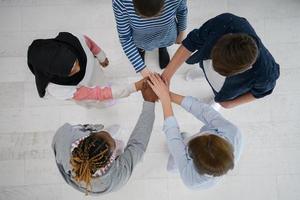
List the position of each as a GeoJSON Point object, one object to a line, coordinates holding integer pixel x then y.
{"type": "Point", "coordinates": [145, 72]}
{"type": "Point", "coordinates": [140, 84]}
{"type": "Point", "coordinates": [105, 63]}
{"type": "Point", "coordinates": [180, 37]}
{"type": "Point", "coordinates": [148, 93]}
{"type": "Point", "coordinates": [160, 88]}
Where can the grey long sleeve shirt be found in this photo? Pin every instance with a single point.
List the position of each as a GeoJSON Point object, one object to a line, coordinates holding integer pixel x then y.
{"type": "Point", "coordinates": [121, 169]}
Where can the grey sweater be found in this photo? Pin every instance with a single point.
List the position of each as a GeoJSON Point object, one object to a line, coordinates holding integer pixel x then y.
{"type": "Point", "coordinates": [122, 167]}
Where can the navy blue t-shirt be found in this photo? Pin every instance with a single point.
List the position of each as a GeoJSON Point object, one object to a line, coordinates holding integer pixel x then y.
{"type": "Point", "coordinates": [260, 80]}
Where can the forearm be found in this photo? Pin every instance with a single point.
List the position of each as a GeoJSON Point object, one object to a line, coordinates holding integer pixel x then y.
{"type": "Point", "coordinates": [176, 98]}
{"type": "Point", "coordinates": [140, 136]}
{"type": "Point", "coordinates": [167, 109]}
{"type": "Point", "coordinates": [181, 55]}
{"type": "Point", "coordinates": [144, 124]}
{"type": "Point", "coordinates": [119, 91]}
{"type": "Point", "coordinates": [137, 143]}
{"type": "Point", "coordinates": [103, 93]}
{"type": "Point", "coordinates": [175, 142]}
{"type": "Point", "coordinates": [246, 98]}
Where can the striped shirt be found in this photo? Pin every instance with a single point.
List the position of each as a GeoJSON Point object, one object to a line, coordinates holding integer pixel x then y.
{"type": "Point", "coordinates": [148, 33]}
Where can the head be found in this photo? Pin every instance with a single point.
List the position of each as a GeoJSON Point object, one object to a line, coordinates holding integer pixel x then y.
{"type": "Point", "coordinates": [234, 53]}
{"type": "Point", "coordinates": [91, 154]}
{"type": "Point", "coordinates": [148, 8]}
{"type": "Point", "coordinates": [211, 154]}
{"type": "Point", "coordinates": [49, 58]}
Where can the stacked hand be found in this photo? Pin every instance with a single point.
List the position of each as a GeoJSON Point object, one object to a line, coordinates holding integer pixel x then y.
{"type": "Point", "coordinates": [147, 92]}
{"type": "Point", "coordinates": [160, 88]}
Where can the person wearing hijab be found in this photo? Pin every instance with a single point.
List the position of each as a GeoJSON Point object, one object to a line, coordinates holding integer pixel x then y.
{"type": "Point", "coordinates": [67, 67]}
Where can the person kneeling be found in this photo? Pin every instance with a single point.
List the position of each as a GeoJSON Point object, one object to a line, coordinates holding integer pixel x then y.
{"type": "Point", "coordinates": [92, 161]}
{"type": "Point", "coordinates": [204, 157]}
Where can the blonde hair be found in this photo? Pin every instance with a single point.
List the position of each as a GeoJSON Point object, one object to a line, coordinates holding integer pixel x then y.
{"type": "Point", "coordinates": [91, 154]}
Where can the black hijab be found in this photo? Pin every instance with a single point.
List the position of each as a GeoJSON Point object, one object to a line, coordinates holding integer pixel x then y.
{"type": "Point", "coordinates": [51, 60]}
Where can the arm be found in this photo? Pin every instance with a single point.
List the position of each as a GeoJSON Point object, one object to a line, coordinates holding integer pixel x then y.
{"type": "Point", "coordinates": [125, 36]}
{"type": "Point", "coordinates": [137, 143]}
{"type": "Point", "coordinates": [246, 98]}
{"type": "Point", "coordinates": [95, 49]}
{"type": "Point", "coordinates": [175, 141]}
{"type": "Point", "coordinates": [200, 110]}
{"type": "Point", "coordinates": [171, 128]}
{"type": "Point", "coordinates": [194, 41]}
{"type": "Point", "coordinates": [181, 16]}
{"type": "Point", "coordinates": [106, 93]}
{"type": "Point", "coordinates": [209, 116]}
{"type": "Point", "coordinates": [181, 55]}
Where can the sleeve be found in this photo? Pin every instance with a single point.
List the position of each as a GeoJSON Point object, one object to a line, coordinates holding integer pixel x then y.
{"type": "Point", "coordinates": [214, 121]}
{"type": "Point", "coordinates": [105, 93]}
{"type": "Point", "coordinates": [262, 89]}
{"type": "Point", "coordinates": [197, 37]}
{"type": "Point", "coordinates": [137, 144]}
{"type": "Point", "coordinates": [95, 49]}
{"type": "Point", "coordinates": [119, 91]}
{"type": "Point", "coordinates": [94, 93]}
{"type": "Point", "coordinates": [209, 116]}
{"type": "Point", "coordinates": [125, 36]}
{"type": "Point", "coordinates": [62, 92]}
{"type": "Point", "coordinates": [181, 15]}
{"type": "Point", "coordinates": [266, 84]}
{"type": "Point", "coordinates": [175, 143]}
{"type": "Point", "coordinates": [184, 163]}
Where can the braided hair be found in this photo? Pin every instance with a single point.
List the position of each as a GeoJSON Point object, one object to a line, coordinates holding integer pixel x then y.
{"type": "Point", "coordinates": [91, 154]}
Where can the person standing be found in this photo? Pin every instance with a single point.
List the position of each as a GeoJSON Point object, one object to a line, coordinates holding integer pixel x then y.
{"type": "Point", "coordinates": [144, 25]}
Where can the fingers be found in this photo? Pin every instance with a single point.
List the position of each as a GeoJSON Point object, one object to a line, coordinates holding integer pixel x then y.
{"type": "Point", "coordinates": [156, 80]}
{"type": "Point", "coordinates": [150, 84]}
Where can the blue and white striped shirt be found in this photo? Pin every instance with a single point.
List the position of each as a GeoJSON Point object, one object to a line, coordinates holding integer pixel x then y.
{"type": "Point", "coordinates": [148, 33]}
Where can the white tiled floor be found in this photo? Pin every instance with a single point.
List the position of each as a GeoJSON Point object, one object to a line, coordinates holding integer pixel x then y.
{"type": "Point", "coordinates": [270, 164]}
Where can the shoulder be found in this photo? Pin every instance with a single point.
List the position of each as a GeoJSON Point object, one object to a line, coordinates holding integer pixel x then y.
{"type": "Point", "coordinates": [64, 129]}
{"type": "Point", "coordinates": [122, 4]}
{"type": "Point", "coordinates": [227, 17]}
{"type": "Point", "coordinates": [266, 67]}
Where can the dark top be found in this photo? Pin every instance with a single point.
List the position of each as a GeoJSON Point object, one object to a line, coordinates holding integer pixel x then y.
{"type": "Point", "coordinates": [260, 80]}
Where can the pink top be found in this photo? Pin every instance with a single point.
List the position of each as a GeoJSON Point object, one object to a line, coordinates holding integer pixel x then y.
{"type": "Point", "coordinates": [95, 49]}
{"type": "Point", "coordinates": [94, 93]}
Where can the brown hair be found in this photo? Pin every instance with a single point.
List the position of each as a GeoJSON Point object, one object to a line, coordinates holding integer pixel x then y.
{"type": "Point", "coordinates": [211, 155]}
{"type": "Point", "coordinates": [91, 154]}
{"type": "Point", "coordinates": [234, 53]}
{"type": "Point", "coordinates": [148, 8]}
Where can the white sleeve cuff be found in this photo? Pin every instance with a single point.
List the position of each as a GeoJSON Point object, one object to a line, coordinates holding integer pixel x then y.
{"type": "Point", "coordinates": [121, 91]}
{"type": "Point", "coordinates": [101, 56]}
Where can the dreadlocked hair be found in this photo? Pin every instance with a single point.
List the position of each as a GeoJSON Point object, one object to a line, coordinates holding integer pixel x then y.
{"type": "Point", "coordinates": [91, 154]}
